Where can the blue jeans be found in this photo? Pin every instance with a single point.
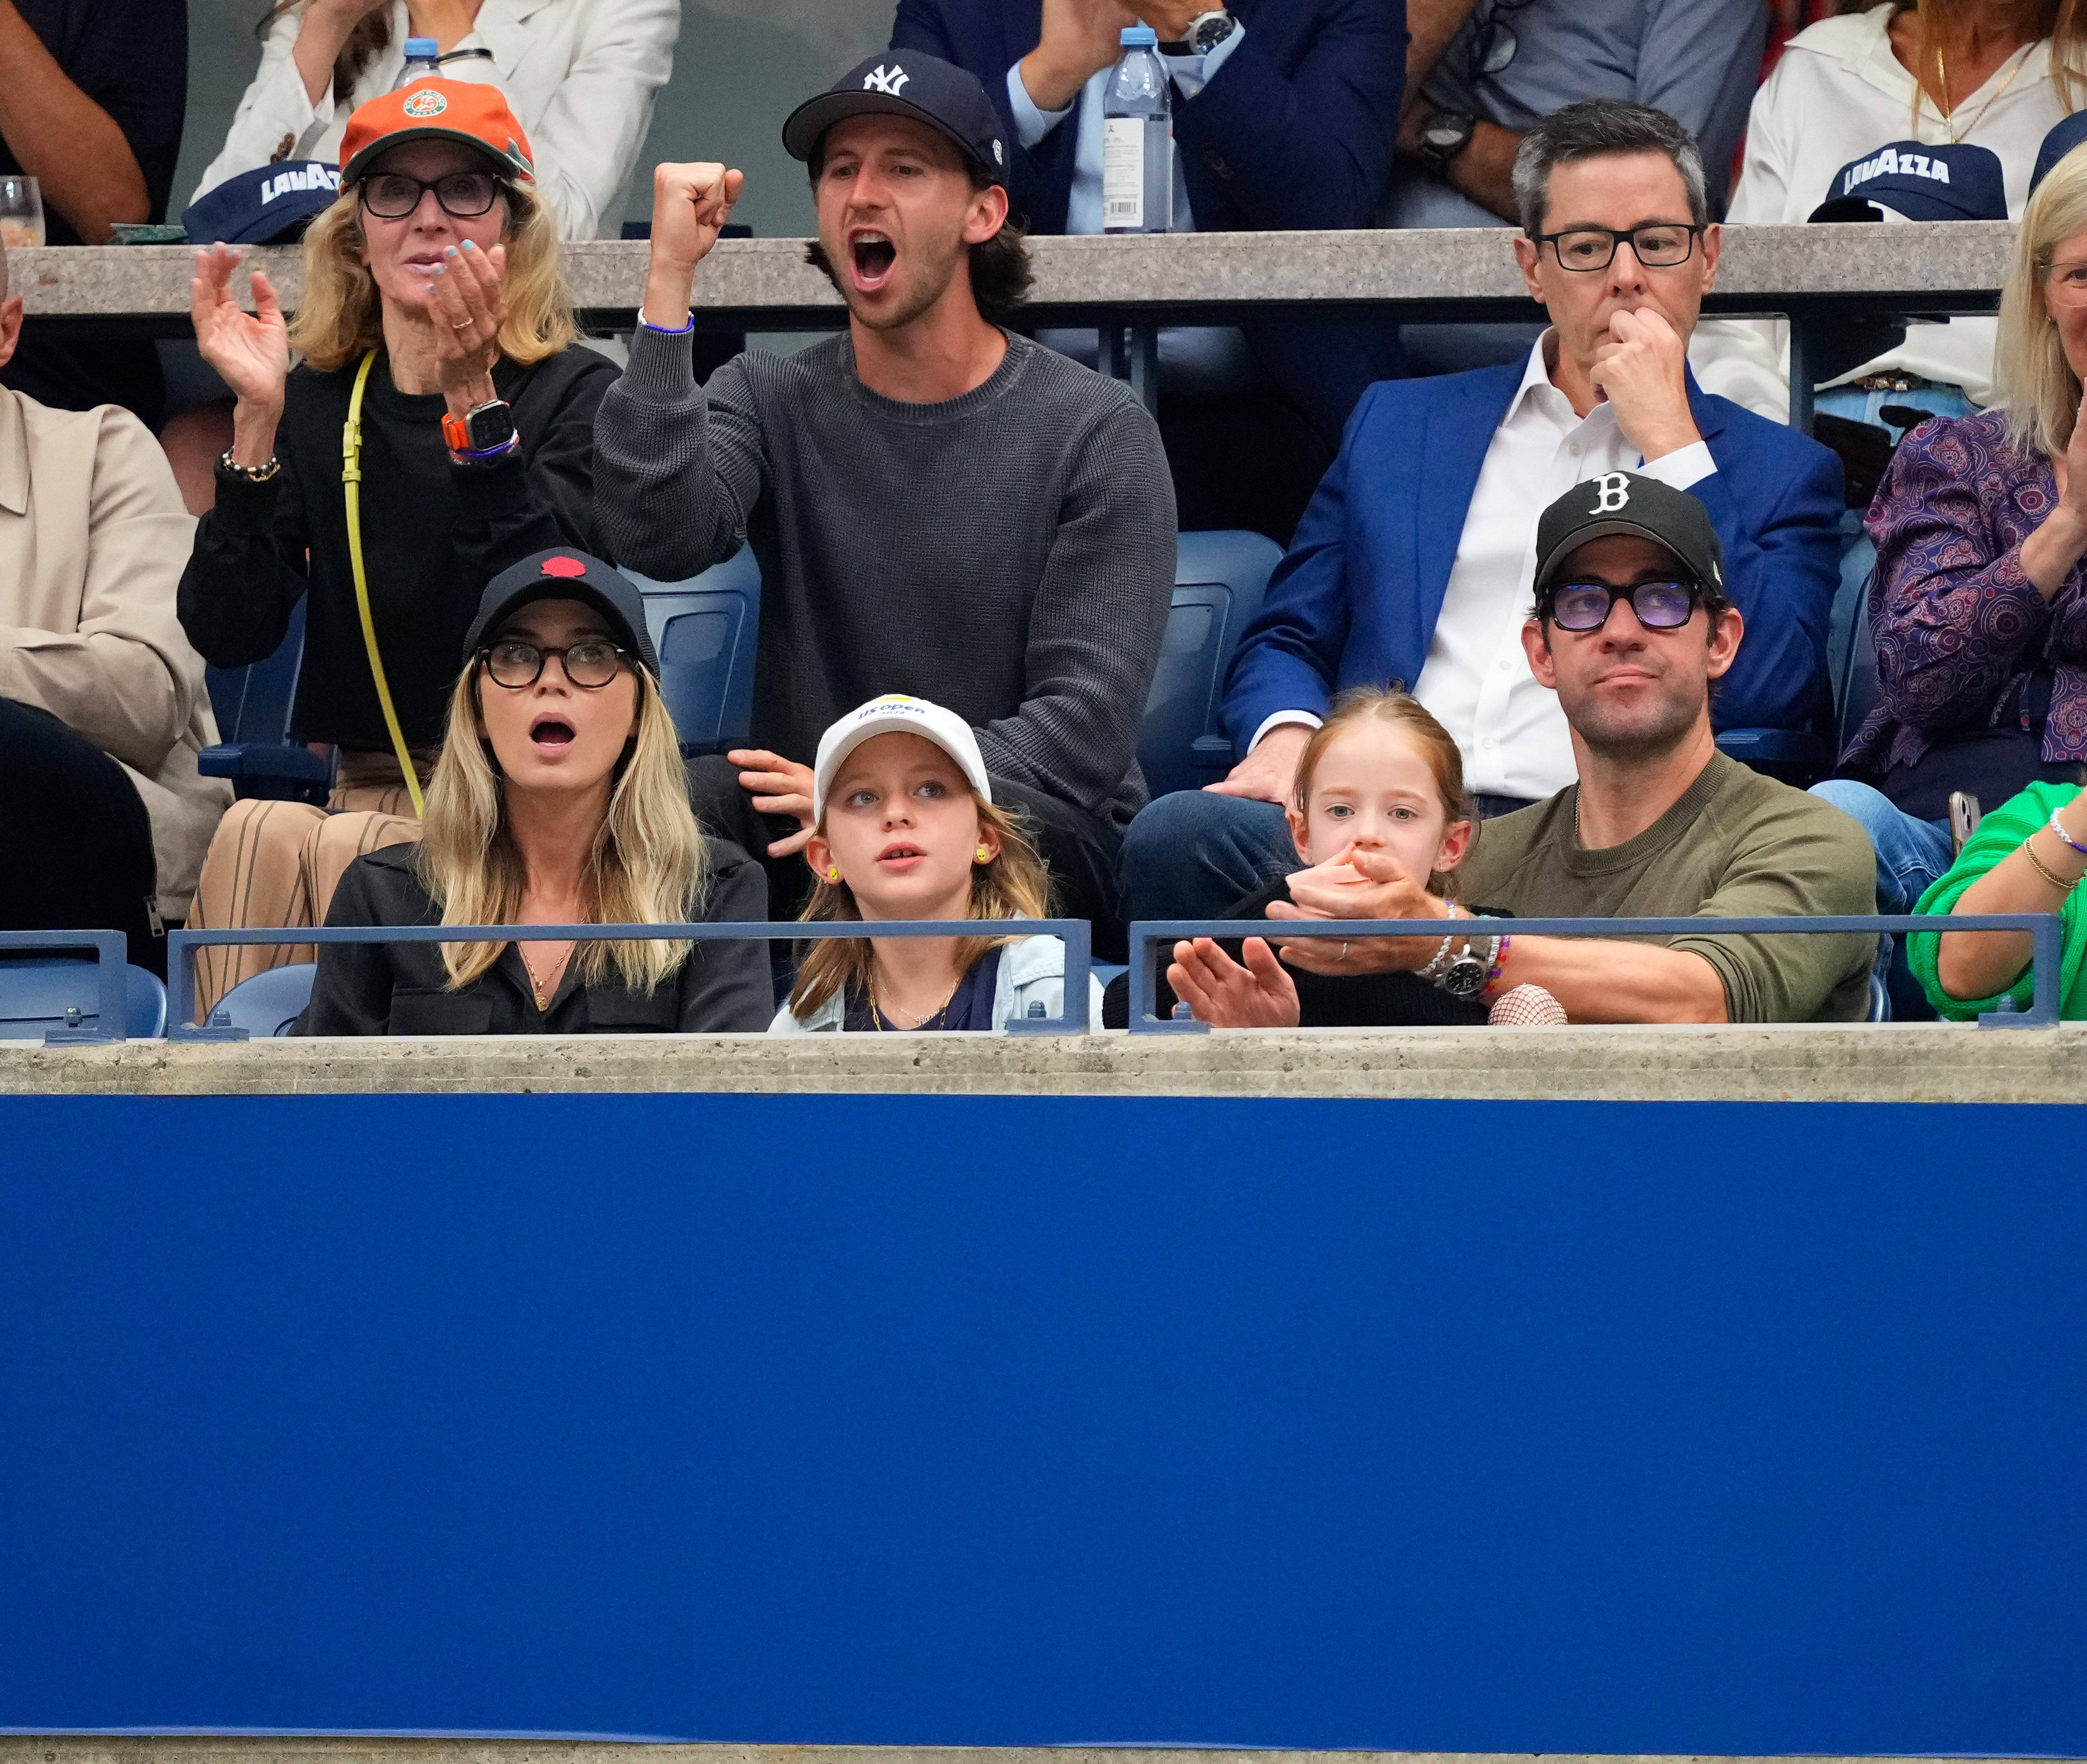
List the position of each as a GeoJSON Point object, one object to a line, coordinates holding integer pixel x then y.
{"type": "Point", "coordinates": [1192, 855]}
{"type": "Point", "coordinates": [1912, 854]}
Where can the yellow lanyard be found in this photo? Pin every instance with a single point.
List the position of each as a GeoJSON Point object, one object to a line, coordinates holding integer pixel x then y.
{"type": "Point", "coordinates": [350, 485]}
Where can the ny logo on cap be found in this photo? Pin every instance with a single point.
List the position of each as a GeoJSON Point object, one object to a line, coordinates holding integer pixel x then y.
{"type": "Point", "coordinates": [886, 81]}
{"type": "Point", "coordinates": [424, 103]}
{"type": "Point", "coordinates": [1615, 492]}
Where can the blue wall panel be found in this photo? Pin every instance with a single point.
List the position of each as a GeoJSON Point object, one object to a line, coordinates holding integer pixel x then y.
{"type": "Point", "coordinates": [1689, 1428]}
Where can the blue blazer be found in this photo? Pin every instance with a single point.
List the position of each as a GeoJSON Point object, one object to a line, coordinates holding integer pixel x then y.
{"type": "Point", "coordinates": [1354, 600]}
{"type": "Point", "coordinates": [1294, 133]}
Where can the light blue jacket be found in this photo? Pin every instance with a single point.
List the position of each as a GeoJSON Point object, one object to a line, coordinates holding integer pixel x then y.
{"type": "Point", "coordinates": [1032, 973]}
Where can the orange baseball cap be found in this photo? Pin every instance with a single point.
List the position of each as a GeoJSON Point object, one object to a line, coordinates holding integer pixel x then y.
{"type": "Point", "coordinates": [463, 110]}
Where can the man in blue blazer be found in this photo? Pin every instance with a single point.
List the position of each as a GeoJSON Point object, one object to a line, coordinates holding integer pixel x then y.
{"type": "Point", "coordinates": [1285, 113]}
{"type": "Point", "coordinates": [1413, 562]}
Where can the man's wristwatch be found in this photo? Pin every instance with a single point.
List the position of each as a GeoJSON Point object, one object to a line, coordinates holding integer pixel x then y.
{"type": "Point", "coordinates": [487, 430]}
{"type": "Point", "coordinates": [1445, 134]}
{"type": "Point", "coordinates": [1462, 971]}
{"type": "Point", "coordinates": [1207, 30]}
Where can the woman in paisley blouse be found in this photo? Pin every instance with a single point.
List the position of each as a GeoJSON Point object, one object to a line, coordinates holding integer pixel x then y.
{"type": "Point", "coordinates": [1979, 602]}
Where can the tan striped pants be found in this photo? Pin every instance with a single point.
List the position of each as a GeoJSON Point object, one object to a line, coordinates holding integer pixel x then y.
{"type": "Point", "coordinates": [275, 864]}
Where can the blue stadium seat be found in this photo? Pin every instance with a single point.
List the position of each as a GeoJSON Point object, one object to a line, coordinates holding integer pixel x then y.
{"type": "Point", "coordinates": [1855, 676]}
{"type": "Point", "coordinates": [705, 629]}
{"type": "Point", "coordinates": [1219, 582]}
{"type": "Point", "coordinates": [38, 993]}
{"type": "Point", "coordinates": [252, 705]}
{"type": "Point", "coordinates": [267, 1004]}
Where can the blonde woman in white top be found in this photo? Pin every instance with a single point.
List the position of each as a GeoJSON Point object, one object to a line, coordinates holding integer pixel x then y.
{"type": "Point", "coordinates": [579, 74]}
{"type": "Point", "coordinates": [1993, 72]}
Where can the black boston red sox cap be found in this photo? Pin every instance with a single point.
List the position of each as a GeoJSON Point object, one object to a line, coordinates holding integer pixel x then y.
{"type": "Point", "coordinates": [1629, 503]}
{"type": "Point", "coordinates": [902, 82]}
{"type": "Point", "coordinates": [564, 575]}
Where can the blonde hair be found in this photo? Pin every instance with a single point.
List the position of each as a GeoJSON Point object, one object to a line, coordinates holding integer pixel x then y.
{"type": "Point", "coordinates": [340, 317]}
{"type": "Point", "coordinates": [2063, 23]}
{"type": "Point", "coordinates": [648, 865]}
{"type": "Point", "coordinates": [2034, 383]}
{"type": "Point", "coordinates": [1015, 885]}
{"type": "Point", "coordinates": [1399, 711]}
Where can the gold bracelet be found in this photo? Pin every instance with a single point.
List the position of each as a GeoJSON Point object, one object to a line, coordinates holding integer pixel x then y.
{"type": "Point", "coordinates": [2035, 864]}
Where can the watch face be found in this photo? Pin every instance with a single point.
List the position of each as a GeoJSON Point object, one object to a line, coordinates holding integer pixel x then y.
{"type": "Point", "coordinates": [1464, 977]}
{"type": "Point", "coordinates": [490, 425]}
{"type": "Point", "coordinates": [1210, 31]}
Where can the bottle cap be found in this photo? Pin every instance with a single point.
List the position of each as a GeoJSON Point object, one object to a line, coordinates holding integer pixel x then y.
{"type": "Point", "coordinates": [422, 49]}
{"type": "Point", "coordinates": [1140, 37]}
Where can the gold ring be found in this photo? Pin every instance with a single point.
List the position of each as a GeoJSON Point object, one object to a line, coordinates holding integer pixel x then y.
{"type": "Point", "coordinates": [469, 324]}
{"type": "Point", "coordinates": [1343, 955]}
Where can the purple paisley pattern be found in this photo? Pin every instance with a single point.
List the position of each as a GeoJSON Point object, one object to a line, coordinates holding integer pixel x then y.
{"type": "Point", "coordinates": [1955, 619]}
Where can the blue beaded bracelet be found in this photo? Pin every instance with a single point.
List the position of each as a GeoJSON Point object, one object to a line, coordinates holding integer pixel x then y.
{"type": "Point", "coordinates": [2058, 827]}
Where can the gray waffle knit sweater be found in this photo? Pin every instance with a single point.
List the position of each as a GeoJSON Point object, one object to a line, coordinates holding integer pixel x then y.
{"type": "Point", "coordinates": [1008, 553]}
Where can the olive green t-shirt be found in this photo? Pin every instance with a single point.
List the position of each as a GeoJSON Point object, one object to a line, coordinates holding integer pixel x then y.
{"type": "Point", "coordinates": [1737, 845]}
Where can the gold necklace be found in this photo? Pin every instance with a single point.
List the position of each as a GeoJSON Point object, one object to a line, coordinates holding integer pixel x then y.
{"type": "Point", "coordinates": [535, 985]}
{"type": "Point", "coordinates": [1949, 110]}
{"type": "Point", "coordinates": [877, 1013]}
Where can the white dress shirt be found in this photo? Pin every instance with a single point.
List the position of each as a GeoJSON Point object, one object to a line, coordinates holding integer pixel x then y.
{"type": "Point", "coordinates": [1837, 94]}
{"type": "Point", "coordinates": [1476, 680]}
{"type": "Point", "coordinates": [578, 75]}
{"type": "Point", "coordinates": [1199, 358]}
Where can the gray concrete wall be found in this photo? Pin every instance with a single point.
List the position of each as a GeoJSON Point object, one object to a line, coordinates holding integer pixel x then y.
{"type": "Point", "coordinates": [742, 64]}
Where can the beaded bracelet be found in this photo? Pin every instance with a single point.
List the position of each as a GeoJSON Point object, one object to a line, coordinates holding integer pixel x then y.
{"type": "Point", "coordinates": [1500, 962]}
{"type": "Point", "coordinates": [2058, 827]}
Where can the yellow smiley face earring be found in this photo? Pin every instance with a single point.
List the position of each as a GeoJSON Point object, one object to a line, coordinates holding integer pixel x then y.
{"type": "Point", "coordinates": [985, 854]}
{"type": "Point", "coordinates": [833, 872]}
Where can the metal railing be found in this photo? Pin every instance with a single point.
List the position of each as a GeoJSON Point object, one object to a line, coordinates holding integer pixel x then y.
{"type": "Point", "coordinates": [2048, 929]}
{"type": "Point", "coordinates": [181, 946]}
{"type": "Point", "coordinates": [112, 956]}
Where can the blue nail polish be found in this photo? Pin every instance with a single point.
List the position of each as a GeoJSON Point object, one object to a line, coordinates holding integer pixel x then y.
{"type": "Point", "coordinates": [469, 247]}
{"type": "Point", "coordinates": [449, 252]}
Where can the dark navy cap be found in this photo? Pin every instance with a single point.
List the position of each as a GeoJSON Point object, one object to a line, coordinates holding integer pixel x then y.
{"type": "Point", "coordinates": [563, 574]}
{"type": "Point", "coordinates": [1954, 182]}
{"type": "Point", "coordinates": [2057, 144]}
{"type": "Point", "coordinates": [902, 82]}
{"type": "Point", "coordinates": [1629, 502]}
{"type": "Point", "coordinates": [267, 206]}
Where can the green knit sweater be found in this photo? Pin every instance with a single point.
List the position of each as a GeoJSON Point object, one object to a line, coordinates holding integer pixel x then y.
{"type": "Point", "coordinates": [1999, 834]}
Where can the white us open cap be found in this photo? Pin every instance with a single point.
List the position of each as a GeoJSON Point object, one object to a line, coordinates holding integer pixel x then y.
{"type": "Point", "coordinates": [896, 714]}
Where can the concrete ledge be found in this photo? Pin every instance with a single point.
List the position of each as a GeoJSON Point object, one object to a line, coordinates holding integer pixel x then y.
{"type": "Point", "coordinates": [73, 1748]}
{"type": "Point", "coordinates": [1923, 1063]}
{"type": "Point", "coordinates": [1938, 264]}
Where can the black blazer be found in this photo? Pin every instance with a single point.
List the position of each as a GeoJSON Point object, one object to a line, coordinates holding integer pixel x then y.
{"type": "Point", "coordinates": [400, 988]}
{"type": "Point", "coordinates": [1295, 133]}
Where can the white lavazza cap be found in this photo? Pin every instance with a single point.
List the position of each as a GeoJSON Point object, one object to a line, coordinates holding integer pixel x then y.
{"type": "Point", "coordinates": [896, 714]}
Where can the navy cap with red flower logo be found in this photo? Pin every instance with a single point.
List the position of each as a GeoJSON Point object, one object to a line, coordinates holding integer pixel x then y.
{"type": "Point", "coordinates": [563, 574]}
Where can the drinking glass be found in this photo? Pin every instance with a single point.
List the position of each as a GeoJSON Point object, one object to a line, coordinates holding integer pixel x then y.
{"type": "Point", "coordinates": [21, 211]}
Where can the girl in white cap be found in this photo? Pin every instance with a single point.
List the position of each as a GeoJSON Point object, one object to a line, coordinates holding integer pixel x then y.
{"type": "Point", "coordinates": [906, 829]}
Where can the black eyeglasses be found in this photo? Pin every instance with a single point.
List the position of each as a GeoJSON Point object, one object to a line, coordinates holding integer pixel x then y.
{"type": "Point", "coordinates": [463, 196]}
{"type": "Point", "coordinates": [1660, 245]}
{"type": "Point", "coordinates": [590, 664]}
{"type": "Point", "coordinates": [1585, 606]}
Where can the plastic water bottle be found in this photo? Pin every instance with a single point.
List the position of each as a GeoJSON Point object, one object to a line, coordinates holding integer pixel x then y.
{"type": "Point", "coordinates": [1138, 139]}
{"type": "Point", "coordinates": [420, 62]}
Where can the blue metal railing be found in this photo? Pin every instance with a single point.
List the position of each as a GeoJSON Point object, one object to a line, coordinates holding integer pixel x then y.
{"type": "Point", "coordinates": [112, 956]}
{"type": "Point", "coordinates": [181, 946]}
{"type": "Point", "coordinates": [2048, 929]}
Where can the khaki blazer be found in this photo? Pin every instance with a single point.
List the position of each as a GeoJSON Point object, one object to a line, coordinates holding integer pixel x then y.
{"type": "Point", "coordinates": [93, 538]}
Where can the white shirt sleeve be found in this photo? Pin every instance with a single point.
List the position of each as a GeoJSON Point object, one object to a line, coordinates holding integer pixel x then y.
{"type": "Point", "coordinates": [274, 111]}
{"type": "Point", "coordinates": [1303, 719]}
{"type": "Point", "coordinates": [1683, 467]}
{"type": "Point", "coordinates": [1030, 124]}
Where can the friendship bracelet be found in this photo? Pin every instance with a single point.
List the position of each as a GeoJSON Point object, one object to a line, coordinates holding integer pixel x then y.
{"type": "Point", "coordinates": [2036, 864]}
{"type": "Point", "coordinates": [2058, 827]}
{"type": "Point", "coordinates": [1500, 962]}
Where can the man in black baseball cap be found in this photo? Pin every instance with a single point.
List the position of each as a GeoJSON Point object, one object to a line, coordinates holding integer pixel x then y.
{"type": "Point", "coordinates": [938, 506]}
{"type": "Point", "coordinates": [1630, 626]}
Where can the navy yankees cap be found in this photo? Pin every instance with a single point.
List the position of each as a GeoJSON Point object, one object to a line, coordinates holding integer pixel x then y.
{"type": "Point", "coordinates": [1629, 502]}
{"type": "Point", "coordinates": [1954, 182]}
{"type": "Point", "coordinates": [267, 206]}
{"type": "Point", "coordinates": [902, 82]}
{"type": "Point", "coordinates": [562, 573]}
{"type": "Point", "coordinates": [2057, 144]}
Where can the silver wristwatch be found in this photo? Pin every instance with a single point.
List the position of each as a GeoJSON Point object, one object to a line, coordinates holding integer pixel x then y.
{"type": "Point", "coordinates": [1207, 30]}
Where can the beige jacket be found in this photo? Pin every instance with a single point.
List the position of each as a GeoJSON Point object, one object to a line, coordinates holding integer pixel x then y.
{"type": "Point", "coordinates": [92, 539]}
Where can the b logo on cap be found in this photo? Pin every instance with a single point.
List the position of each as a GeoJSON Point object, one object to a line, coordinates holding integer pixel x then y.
{"type": "Point", "coordinates": [564, 566]}
{"type": "Point", "coordinates": [424, 103]}
{"type": "Point", "coordinates": [1612, 486]}
{"type": "Point", "coordinates": [887, 82]}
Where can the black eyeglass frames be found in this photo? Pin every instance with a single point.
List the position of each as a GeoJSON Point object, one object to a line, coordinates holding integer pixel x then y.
{"type": "Point", "coordinates": [1585, 606]}
{"type": "Point", "coordinates": [1659, 245]}
{"type": "Point", "coordinates": [463, 196]}
{"type": "Point", "coordinates": [590, 664]}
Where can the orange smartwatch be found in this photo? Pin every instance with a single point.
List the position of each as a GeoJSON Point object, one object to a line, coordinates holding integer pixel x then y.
{"type": "Point", "coordinates": [484, 436]}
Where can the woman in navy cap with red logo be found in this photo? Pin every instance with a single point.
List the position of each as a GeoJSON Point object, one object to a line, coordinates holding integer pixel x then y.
{"type": "Point", "coordinates": [440, 425]}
